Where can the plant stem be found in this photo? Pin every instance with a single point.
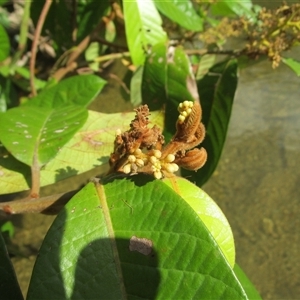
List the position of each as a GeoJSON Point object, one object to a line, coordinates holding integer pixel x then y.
{"type": "Point", "coordinates": [48, 205]}
{"type": "Point", "coordinates": [111, 56]}
{"type": "Point", "coordinates": [23, 35]}
{"type": "Point", "coordinates": [35, 177]}
{"type": "Point", "coordinates": [36, 37]}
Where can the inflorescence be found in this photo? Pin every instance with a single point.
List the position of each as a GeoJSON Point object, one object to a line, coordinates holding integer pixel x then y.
{"type": "Point", "coordinates": [140, 149]}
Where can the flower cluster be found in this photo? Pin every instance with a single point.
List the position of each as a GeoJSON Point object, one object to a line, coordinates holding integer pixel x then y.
{"type": "Point", "coordinates": [141, 149]}
{"type": "Point", "coordinates": [184, 108]}
{"type": "Point", "coordinates": [267, 32]}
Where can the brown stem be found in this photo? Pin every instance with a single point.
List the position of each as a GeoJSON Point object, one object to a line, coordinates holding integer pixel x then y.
{"type": "Point", "coordinates": [36, 37]}
{"type": "Point", "coordinates": [35, 175]}
{"type": "Point", "coordinates": [47, 205]}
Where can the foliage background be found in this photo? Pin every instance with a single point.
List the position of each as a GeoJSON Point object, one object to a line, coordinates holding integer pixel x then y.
{"type": "Point", "coordinates": [260, 159]}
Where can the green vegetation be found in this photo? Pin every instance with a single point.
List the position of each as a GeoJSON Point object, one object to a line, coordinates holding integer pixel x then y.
{"type": "Point", "coordinates": [140, 231]}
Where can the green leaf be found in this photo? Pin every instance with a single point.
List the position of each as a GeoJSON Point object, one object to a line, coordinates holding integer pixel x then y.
{"type": "Point", "coordinates": [249, 288]}
{"type": "Point", "coordinates": [88, 148]}
{"type": "Point", "coordinates": [136, 87]}
{"type": "Point", "coordinates": [8, 227]}
{"type": "Point", "coordinates": [168, 79]}
{"type": "Point", "coordinates": [9, 287]}
{"type": "Point", "coordinates": [217, 90]}
{"type": "Point", "coordinates": [209, 212]}
{"type": "Point", "coordinates": [293, 64]}
{"type": "Point", "coordinates": [78, 90]}
{"type": "Point", "coordinates": [4, 42]}
{"type": "Point", "coordinates": [231, 8]}
{"type": "Point", "coordinates": [206, 62]}
{"type": "Point", "coordinates": [21, 79]}
{"type": "Point", "coordinates": [91, 53]}
{"type": "Point", "coordinates": [29, 132]}
{"type": "Point", "coordinates": [181, 12]}
{"type": "Point", "coordinates": [143, 30]}
{"type": "Point", "coordinates": [131, 238]}
{"type": "Point", "coordinates": [8, 94]}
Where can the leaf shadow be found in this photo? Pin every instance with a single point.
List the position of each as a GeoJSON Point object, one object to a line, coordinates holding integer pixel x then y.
{"type": "Point", "coordinates": [140, 274]}
{"type": "Point", "coordinates": [65, 173]}
{"type": "Point", "coordinates": [96, 275]}
{"type": "Point", "coordinates": [135, 178]}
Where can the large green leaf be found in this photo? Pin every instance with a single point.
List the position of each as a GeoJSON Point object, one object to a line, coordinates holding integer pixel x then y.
{"type": "Point", "coordinates": [209, 212]}
{"type": "Point", "coordinates": [233, 8]}
{"type": "Point", "coordinates": [31, 134]}
{"type": "Point", "coordinates": [143, 28]}
{"type": "Point", "coordinates": [181, 12]}
{"type": "Point", "coordinates": [168, 79]}
{"type": "Point", "coordinates": [131, 238]}
{"type": "Point", "coordinates": [79, 90]}
{"type": "Point", "coordinates": [217, 90]}
{"type": "Point", "coordinates": [89, 147]}
{"type": "Point", "coordinates": [9, 287]}
{"type": "Point", "coordinates": [4, 42]}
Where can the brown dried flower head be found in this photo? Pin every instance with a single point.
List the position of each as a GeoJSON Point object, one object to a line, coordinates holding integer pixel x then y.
{"type": "Point", "coordinates": [141, 149]}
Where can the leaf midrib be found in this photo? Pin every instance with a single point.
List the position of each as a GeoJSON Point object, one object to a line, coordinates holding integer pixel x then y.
{"type": "Point", "coordinates": [103, 202]}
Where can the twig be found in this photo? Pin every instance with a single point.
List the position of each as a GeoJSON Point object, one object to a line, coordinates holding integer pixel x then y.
{"type": "Point", "coordinates": [47, 205]}
{"type": "Point", "coordinates": [111, 56]}
{"type": "Point", "coordinates": [37, 34]}
{"type": "Point", "coordinates": [205, 51]}
{"type": "Point", "coordinates": [107, 43]}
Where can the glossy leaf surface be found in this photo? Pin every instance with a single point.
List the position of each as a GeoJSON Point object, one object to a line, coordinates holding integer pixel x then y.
{"type": "Point", "coordinates": [78, 90]}
{"type": "Point", "coordinates": [232, 8]}
{"type": "Point", "coordinates": [182, 12]}
{"type": "Point", "coordinates": [217, 90]}
{"type": "Point", "coordinates": [88, 148]}
{"type": "Point", "coordinates": [29, 132]}
{"type": "Point", "coordinates": [9, 287]}
{"type": "Point", "coordinates": [168, 79]}
{"type": "Point", "coordinates": [131, 238]}
{"type": "Point", "coordinates": [208, 211]}
{"type": "Point", "coordinates": [143, 28]}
